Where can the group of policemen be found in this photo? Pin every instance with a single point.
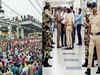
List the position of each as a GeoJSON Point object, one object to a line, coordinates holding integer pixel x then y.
{"type": "Point", "coordinates": [65, 27]}
{"type": "Point", "coordinates": [55, 18]}
{"type": "Point", "coordinates": [92, 36]}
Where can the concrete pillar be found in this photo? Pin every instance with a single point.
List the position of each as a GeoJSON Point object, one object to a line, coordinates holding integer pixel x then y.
{"type": "Point", "coordinates": [0, 3]}
{"type": "Point", "coordinates": [98, 4]}
{"type": "Point", "coordinates": [17, 32]}
{"type": "Point", "coordinates": [10, 32]}
{"type": "Point", "coordinates": [0, 32]}
{"type": "Point", "coordinates": [22, 33]}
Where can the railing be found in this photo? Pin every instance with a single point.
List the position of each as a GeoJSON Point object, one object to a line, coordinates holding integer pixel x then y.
{"type": "Point", "coordinates": [28, 22]}
{"type": "Point", "coordinates": [4, 21]}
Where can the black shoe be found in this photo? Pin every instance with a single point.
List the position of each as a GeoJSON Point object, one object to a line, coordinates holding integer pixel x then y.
{"type": "Point", "coordinates": [86, 63]}
{"type": "Point", "coordinates": [68, 48]}
{"type": "Point", "coordinates": [98, 71]}
{"type": "Point", "coordinates": [95, 58]}
{"type": "Point", "coordinates": [79, 44]}
{"type": "Point", "coordinates": [47, 65]}
{"type": "Point", "coordinates": [93, 63]}
{"type": "Point", "coordinates": [88, 72]}
{"type": "Point", "coordinates": [58, 46]}
{"type": "Point", "coordinates": [62, 46]}
{"type": "Point", "coordinates": [50, 57]}
{"type": "Point", "coordinates": [52, 46]}
{"type": "Point", "coordinates": [65, 45]}
{"type": "Point", "coordinates": [71, 48]}
{"type": "Point", "coordinates": [53, 43]}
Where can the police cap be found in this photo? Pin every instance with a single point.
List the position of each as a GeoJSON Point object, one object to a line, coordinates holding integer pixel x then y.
{"type": "Point", "coordinates": [93, 4]}
{"type": "Point", "coordinates": [89, 4]}
{"type": "Point", "coordinates": [47, 5]}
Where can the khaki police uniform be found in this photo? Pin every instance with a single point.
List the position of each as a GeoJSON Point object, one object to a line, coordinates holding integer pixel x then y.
{"type": "Point", "coordinates": [69, 29]}
{"type": "Point", "coordinates": [94, 38]}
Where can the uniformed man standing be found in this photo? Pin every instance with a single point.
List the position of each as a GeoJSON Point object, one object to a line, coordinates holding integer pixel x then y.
{"type": "Point", "coordinates": [94, 38]}
{"type": "Point", "coordinates": [69, 28]}
{"type": "Point", "coordinates": [46, 35]}
{"type": "Point", "coordinates": [79, 20]}
{"type": "Point", "coordinates": [87, 13]}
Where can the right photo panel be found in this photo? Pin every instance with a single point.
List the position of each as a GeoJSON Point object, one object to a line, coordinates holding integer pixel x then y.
{"type": "Point", "coordinates": [70, 37]}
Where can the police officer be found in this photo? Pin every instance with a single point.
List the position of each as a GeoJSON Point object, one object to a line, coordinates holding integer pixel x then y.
{"type": "Point", "coordinates": [46, 35]}
{"type": "Point", "coordinates": [88, 12]}
{"type": "Point", "coordinates": [69, 28]}
{"type": "Point", "coordinates": [86, 36]}
{"type": "Point", "coordinates": [94, 38]}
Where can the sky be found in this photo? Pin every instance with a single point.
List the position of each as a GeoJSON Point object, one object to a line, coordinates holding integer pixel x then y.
{"type": "Point", "coordinates": [23, 7]}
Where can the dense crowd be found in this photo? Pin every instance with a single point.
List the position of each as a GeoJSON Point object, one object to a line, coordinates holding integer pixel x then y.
{"type": "Point", "coordinates": [25, 18]}
{"type": "Point", "coordinates": [21, 57]}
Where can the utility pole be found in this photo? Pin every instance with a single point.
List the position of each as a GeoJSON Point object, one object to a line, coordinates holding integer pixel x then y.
{"type": "Point", "coordinates": [0, 3]}
{"type": "Point", "coordinates": [1, 10]}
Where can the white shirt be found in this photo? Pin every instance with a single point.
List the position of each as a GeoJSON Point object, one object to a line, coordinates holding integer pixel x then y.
{"type": "Point", "coordinates": [26, 70]}
{"type": "Point", "coordinates": [73, 17]}
{"type": "Point", "coordinates": [28, 57]}
{"type": "Point", "coordinates": [63, 14]}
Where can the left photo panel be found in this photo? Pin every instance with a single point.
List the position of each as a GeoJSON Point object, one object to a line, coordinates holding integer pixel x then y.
{"type": "Point", "coordinates": [21, 37]}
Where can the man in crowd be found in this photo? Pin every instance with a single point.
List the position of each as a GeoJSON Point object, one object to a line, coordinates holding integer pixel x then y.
{"type": "Point", "coordinates": [74, 28]}
{"type": "Point", "coordinates": [15, 69]}
{"type": "Point", "coordinates": [69, 27]}
{"type": "Point", "coordinates": [63, 31]}
{"type": "Point", "coordinates": [79, 20]}
{"type": "Point", "coordinates": [58, 26]}
{"type": "Point", "coordinates": [31, 72]}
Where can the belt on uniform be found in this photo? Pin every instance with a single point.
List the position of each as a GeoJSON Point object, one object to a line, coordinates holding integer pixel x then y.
{"type": "Point", "coordinates": [69, 25]}
{"type": "Point", "coordinates": [98, 33]}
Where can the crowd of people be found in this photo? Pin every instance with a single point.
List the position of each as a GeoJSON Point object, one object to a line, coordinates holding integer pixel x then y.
{"type": "Point", "coordinates": [21, 57]}
{"type": "Point", "coordinates": [25, 18]}
{"type": "Point", "coordinates": [67, 21]}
